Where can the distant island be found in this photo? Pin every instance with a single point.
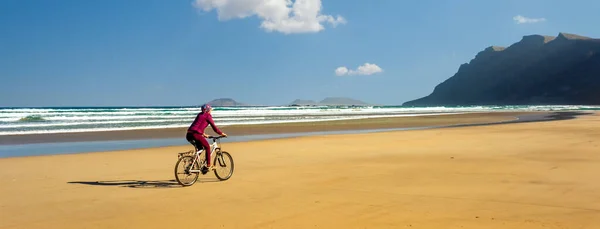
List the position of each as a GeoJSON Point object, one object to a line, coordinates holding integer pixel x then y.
{"type": "Point", "coordinates": [329, 101]}
{"type": "Point", "coordinates": [301, 102]}
{"type": "Point", "coordinates": [538, 70]}
{"type": "Point", "coordinates": [226, 102]}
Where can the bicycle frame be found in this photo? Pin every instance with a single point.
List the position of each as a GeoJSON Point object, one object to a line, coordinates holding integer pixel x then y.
{"type": "Point", "coordinates": [214, 148]}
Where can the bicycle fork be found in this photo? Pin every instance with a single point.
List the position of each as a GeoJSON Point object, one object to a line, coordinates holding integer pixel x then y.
{"type": "Point", "coordinates": [220, 160]}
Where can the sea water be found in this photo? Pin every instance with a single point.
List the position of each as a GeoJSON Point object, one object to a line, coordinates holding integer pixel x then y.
{"type": "Point", "coordinates": [25, 121]}
{"type": "Point", "coordinates": [21, 121]}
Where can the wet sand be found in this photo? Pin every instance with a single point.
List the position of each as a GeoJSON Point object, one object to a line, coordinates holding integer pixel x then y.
{"type": "Point", "coordinates": [238, 130]}
{"type": "Point", "coordinates": [525, 175]}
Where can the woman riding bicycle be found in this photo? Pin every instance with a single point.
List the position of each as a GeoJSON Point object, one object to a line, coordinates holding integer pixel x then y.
{"type": "Point", "coordinates": [195, 133]}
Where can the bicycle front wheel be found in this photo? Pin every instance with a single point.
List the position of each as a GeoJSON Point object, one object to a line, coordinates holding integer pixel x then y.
{"type": "Point", "coordinates": [223, 165]}
{"type": "Point", "coordinates": [186, 174]}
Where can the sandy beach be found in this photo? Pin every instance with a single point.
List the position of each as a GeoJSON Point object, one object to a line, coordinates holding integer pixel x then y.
{"type": "Point", "coordinates": [526, 175]}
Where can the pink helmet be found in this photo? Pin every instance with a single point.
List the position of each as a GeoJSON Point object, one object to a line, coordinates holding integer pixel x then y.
{"type": "Point", "coordinates": [206, 107]}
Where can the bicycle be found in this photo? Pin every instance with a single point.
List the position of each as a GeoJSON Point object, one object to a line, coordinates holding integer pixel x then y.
{"type": "Point", "coordinates": [191, 167]}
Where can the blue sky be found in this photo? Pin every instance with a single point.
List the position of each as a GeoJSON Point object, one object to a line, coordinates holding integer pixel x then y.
{"type": "Point", "coordinates": [156, 52]}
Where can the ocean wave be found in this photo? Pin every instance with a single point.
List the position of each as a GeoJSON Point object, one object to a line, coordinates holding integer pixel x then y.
{"type": "Point", "coordinates": [102, 129]}
{"type": "Point", "coordinates": [57, 120]}
{"type": "Point", "coordinates": [32, 118]}
{"type": "Point", "coordinates": [19, 125]}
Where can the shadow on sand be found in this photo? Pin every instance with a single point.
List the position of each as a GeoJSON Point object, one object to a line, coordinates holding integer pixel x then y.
{"type": "Point", "coordinates": [141, 183]}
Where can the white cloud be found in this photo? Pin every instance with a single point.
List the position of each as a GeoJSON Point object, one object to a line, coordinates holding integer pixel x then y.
{"type": "Point", "coordinates": [285, 16]}
{"type": "Point", "coordinates": [522, 20]}
{"type": "Point", "coordinates": [341, 71]}
{"type": "Point", "coordinates": [365, 69]}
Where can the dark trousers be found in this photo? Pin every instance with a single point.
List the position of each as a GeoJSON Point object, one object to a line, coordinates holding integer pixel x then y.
{"type": "Point", "coordinates": [200, 142]}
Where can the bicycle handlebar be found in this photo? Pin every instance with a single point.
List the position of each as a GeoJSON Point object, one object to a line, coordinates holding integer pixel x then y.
{"type": "Point", "coordinates": [217, 137]}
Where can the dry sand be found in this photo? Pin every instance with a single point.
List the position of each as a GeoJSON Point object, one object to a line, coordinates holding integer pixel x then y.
{"type": "Point", "coordinates": [528, 175]}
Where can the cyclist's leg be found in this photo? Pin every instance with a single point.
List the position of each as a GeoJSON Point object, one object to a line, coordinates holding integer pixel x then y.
{"type": "Point", "coordinates": [192, 139]}
{"type": "Point", "coordinates": [204, 143]}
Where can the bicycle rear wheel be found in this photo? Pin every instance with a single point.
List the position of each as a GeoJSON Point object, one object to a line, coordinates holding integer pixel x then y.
{"type": "Point", "coordinates": [182, 171]}
{"type": "Point", "coordinates": [223, 165]}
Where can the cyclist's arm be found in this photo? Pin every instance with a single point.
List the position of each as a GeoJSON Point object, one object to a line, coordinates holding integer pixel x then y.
{"type": "Point", "coordinates": [212, 124]}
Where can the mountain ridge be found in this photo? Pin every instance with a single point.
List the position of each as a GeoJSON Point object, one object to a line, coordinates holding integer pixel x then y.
{"type": "Point", "coordinates": [538, 69]}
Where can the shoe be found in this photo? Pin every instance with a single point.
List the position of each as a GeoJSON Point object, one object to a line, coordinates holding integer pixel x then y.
{"type": "Point", "coordinates": [204, 170]}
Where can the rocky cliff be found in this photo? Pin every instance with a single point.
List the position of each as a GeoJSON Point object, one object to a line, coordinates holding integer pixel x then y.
{"type": "Point", "coordinates": [536, 70]}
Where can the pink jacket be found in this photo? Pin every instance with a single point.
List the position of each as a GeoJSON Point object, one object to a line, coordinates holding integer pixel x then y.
{"type": "Point", "coordinates": [201, 122]}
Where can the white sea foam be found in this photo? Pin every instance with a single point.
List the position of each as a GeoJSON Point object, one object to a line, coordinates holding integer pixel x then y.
{"type": "Point", "coordinates": [221, 124]}
{"type": "Point", "coordinates": [64, 120]}
{"type": "Point", "coordinates": [18, 125]}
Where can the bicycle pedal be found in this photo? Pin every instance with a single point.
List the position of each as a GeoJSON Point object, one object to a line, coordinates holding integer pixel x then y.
{"type": "Point", "coordinates": [204, 170]}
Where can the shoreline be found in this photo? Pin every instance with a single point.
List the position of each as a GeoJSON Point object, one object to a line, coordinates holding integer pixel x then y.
{"type": "Point", "coordinates": [389, 125]}
{"type": "Point", "coordinates": [276, 128]}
